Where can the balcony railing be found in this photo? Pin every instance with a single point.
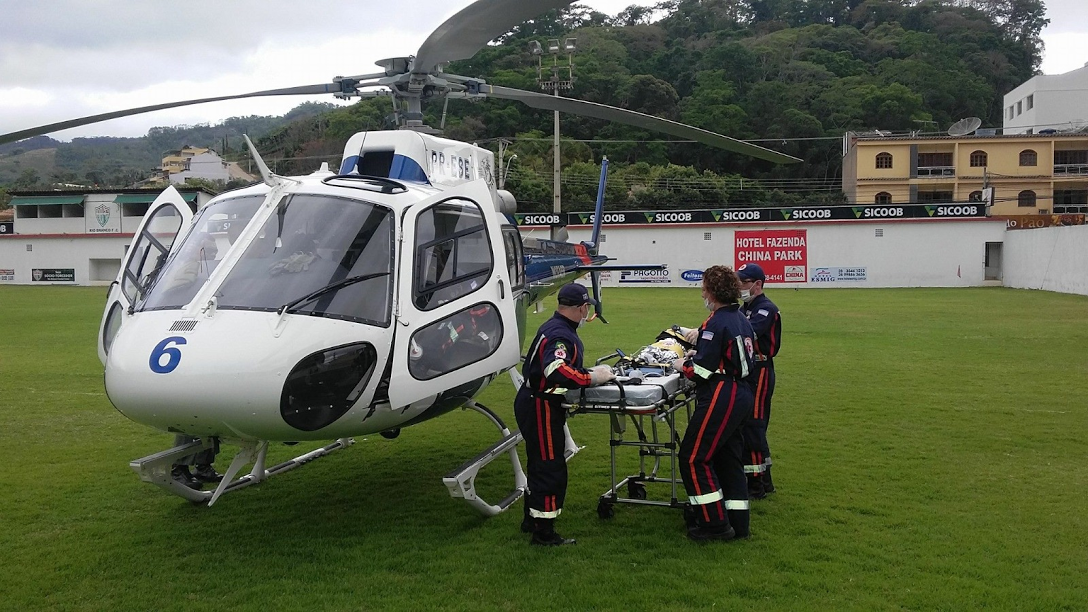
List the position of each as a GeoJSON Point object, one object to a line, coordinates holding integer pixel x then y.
{"type": "Point", "coordinates": [938, 171]}
{"type": "Point", "coordinates": [1070, 169]}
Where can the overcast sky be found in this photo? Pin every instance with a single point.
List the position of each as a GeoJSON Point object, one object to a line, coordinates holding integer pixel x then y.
{"type": "Point", "coordinates": [61, 59]}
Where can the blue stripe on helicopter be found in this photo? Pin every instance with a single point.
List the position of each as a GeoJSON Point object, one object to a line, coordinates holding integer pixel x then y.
{"type": "Point", "coordinates": [402, 169]}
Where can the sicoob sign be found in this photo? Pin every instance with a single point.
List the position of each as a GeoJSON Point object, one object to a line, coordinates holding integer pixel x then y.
{"type": "Point", "coordinates": [783, 254]}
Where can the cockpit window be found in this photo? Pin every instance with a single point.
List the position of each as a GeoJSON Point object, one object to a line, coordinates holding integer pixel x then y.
{"type": "Point", "coordinates": [317, 255]}
{"type": "Point", "coordinates": [453, 255]}
{"type": "Point", "coordinates": [211, 235]}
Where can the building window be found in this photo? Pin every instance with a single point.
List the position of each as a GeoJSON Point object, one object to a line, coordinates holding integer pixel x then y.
{"type": "Point", "coordinates": [978, 159]}
{"type": "Point", "coordinates": [1029, 158]}
{"type": "Point", "coordinates": [1019, 107]}
{"type": "Point", "coordinates": [883, 160]}
{"type": "Point", "coordinates": [1030, 101]}
{"type": "Point", "coordinates": [934, 160]}
{"type": "Point", "coordinates": [1026, 199]}
{"type": "Point", "coordinates": [1009, 113]}
{"type": "Point", "coordinates": [976, 196]}
{"type": "Point", "coordinates": [883, 198]}
{"type": "Point", "coordinates": [1070, 197]}
{"type": "Point", "coordinates": [927, 197]}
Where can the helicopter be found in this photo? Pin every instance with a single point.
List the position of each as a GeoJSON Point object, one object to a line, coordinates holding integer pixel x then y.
{"type": "Point", "coordinates": [345, 303]}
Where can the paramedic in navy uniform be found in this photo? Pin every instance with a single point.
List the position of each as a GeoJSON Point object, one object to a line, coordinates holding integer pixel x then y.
{"type": "Point", "coordinates": [552, 365]}
{"type": "Point", "coordinates": [767, 324]}
{"type": "Point", "coordinates": [711, 455]}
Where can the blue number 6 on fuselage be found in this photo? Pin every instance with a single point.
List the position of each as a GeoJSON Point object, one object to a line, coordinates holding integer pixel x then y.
{"type": "Point", "coordinates": [173, 354]}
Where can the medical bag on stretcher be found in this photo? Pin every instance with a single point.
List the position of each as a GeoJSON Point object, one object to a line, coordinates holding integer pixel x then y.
{"type": "Point", "coordinates": [642, 380]}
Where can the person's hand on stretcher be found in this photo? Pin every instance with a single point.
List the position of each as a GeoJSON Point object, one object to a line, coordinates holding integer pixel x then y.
{"type": "Point", "coordinates": [601, 374]}
{"type": "Point", "coordinates": [678, 364]}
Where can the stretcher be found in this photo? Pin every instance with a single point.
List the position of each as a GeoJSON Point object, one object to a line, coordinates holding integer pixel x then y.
{"type": "Point", "coordinates": [648, 398]}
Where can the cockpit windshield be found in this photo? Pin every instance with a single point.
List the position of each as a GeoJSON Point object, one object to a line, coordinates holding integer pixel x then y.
{"type": "Point", "coordinates": [317, 255]}
{"type": "Point", "coordinates": [213, 232]}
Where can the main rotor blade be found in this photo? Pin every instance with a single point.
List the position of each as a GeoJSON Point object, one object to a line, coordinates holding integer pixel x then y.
{"type": "Point", "coordinates": [462, 35]}
{"type": "Point", "coordinates": [649, 122]}
{"type": "Point", "coordinates": [71, 123]}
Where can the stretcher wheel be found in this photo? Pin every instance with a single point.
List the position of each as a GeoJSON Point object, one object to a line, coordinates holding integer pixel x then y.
{"type": "Point", "coordinates": [636, 490]}
{"type": "Point", "coordinates": [605, 510]}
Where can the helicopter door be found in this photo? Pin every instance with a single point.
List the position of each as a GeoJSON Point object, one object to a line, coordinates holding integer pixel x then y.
{"type": "Point", "coordinates": [165, 218]}
{"type": "Point", "coordinates": [456, 320]}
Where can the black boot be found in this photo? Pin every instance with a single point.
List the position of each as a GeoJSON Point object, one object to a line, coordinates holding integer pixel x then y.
{"type": "Point", "coordinates": [180, 473]}
{"type": "Point", "coordinates": [526, 520]}
{"type": "Point", "coordinates": [544, 534]}
{"type": "Point", "coordinates": [206, 473]}
{"type": "Point", "coordinates": [768, 486]}
{"type": "Point", "coordinates": [711, 533]}
{"type": "Point", "coordinates": [755, 487]}
{"type": "Point", "coordinates": [740, 520]}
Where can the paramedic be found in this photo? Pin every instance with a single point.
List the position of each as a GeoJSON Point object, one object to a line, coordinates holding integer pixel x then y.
{"type": "Point", "coordinates": [552, 365]}
{"type": "Point", "coordinates": [711, 454]}
{"type": "Point", "coordinates": [767, 325]}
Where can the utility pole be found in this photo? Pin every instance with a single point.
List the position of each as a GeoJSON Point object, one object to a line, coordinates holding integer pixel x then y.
{"type": "Point", "coordinates": [562, 77]}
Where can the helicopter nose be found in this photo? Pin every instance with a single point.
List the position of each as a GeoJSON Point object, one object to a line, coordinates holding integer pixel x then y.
{"type": "Point", "coordinates": [237, 376]}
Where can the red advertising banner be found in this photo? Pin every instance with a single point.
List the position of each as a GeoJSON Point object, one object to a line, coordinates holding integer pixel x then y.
{"type": "Point", "coordinates": [783, 254]}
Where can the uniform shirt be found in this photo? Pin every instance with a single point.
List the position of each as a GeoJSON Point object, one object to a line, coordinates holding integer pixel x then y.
{"type": "Point", "coordinates": [553, 364]}
{"type": "Point", "coordinates": [767, 324]}
{"type": "Point", "coordinates": [724, 348]}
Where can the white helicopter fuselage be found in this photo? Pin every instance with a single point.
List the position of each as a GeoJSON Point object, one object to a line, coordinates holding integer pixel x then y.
{"type": "Point", "coordinates": [321, 306]}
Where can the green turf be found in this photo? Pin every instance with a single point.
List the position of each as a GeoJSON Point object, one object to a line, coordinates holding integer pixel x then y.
{"type": "Point", "coordinates": [930, 448]}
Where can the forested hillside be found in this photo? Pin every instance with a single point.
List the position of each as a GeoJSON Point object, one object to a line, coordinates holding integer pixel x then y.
{"type": "Point", "coordinates": [792, 75]}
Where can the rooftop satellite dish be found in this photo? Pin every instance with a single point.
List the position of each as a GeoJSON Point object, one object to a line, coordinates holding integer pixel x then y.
{"type": "Point", "coordinates": [964, 127]}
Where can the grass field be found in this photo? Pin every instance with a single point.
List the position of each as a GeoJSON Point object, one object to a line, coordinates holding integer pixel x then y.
{"type": "Point", "coordinates": [930, 449]}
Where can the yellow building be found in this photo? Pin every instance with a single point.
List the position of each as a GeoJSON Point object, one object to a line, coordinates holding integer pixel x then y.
{"type": "Point", "coordinates": [178, 161]}
{"type": "Point", "coordinates": [1030, 174]}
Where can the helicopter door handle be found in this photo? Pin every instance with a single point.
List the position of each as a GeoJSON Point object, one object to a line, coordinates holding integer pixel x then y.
{"type": "Point", "coordinates": [502, 290]}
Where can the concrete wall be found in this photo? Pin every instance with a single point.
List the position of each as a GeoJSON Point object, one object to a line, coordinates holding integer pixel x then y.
{"type": "Point", "coordinates": [1052, 258]}
{"type": "Point", "coordinates": [907, 254]}
{"type": "Point", "coordinates": [95, 259]}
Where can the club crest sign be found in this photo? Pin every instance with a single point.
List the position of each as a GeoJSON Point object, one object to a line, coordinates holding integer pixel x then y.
{"type": "Point", "coordinates": [103, 218]}
{"type": "Point", "coordinates": [102, 214]}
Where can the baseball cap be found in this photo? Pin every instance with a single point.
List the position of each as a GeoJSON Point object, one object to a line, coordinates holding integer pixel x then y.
{"type": "Point", "coordinates": [751, 271]}
{"type": "Point", "coordinates": [573, 294]}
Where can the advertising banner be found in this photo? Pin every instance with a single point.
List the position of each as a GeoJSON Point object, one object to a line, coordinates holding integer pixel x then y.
{"type": "Point", "coordinates": [7, 227]}
{"type": "Point", "coordinates": [103, 217]}
{"type": "Point", "coordinates": [645, 276]}
{"type": "Point", "coordinates": [7, 274]}
{"type": "Point", "coordinates": [793, 214]}
{"type": "Point", "coordinates": [1035, 221]}
{"type": "Point", "coordinates": [838, 275]}
{"type": "Point", "coordinates": [53, 275]}
{"type": "Point", "coordinates": [783, 254]}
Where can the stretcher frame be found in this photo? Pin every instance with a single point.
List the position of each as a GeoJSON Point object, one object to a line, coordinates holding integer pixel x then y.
{"type": "Point", "coordinates": [661, 412]}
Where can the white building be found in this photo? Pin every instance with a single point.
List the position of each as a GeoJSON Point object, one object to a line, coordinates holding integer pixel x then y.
{"type": "Point", "coordinates": [206, 165]}
{"type": "Point", "coordinates": [75, 237]}
{"type": "Point", "coordinates": [1048, 102]}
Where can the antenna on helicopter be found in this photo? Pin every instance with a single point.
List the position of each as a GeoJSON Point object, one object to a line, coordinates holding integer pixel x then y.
{"type": "Point", "coordinates": [267, 176]}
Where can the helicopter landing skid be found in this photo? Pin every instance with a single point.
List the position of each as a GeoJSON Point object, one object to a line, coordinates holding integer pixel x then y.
{"type": "Point", "coordinates": [155, 469]}
{"type": "Point", "coordinates": [461, 482]}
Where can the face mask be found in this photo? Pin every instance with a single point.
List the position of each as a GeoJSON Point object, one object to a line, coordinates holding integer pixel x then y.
{"type": "Point", "coordinates": [745, 295]}
{"type": "Point", "coordinates": [582, 322]}
{"type": "Point", "coordinates": [709, 306]}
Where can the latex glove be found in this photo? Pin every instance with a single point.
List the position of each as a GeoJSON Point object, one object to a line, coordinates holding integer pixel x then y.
{"type": "Point", "coordinates": [689, 354]}
{"type": "Point", "coordinates": [691, 335]}
{"type": "Point", "coordinates": [601, 374]}
{"type": "Point", "coordinates": [678, 365]}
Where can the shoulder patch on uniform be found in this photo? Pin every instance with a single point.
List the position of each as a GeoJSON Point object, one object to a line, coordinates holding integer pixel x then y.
{"type": "Point", "coordinates": [560, 350]}
{"type": "Point", "coordinates": [764, 312]}
{"type": "Point", "coordinates": [708, 335]}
